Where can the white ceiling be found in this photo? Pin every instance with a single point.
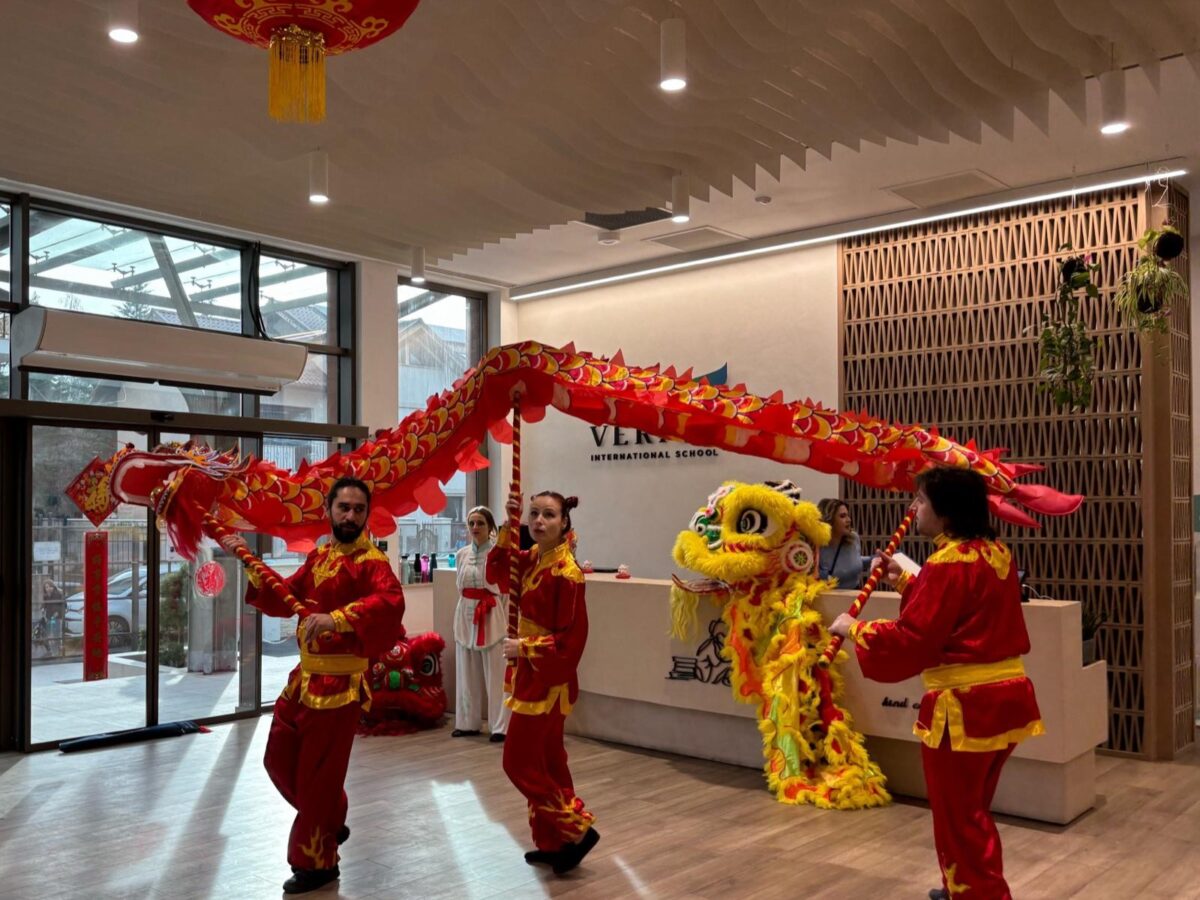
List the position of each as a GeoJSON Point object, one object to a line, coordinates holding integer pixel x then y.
{"type": "Point", "coordinates": [481, 130]}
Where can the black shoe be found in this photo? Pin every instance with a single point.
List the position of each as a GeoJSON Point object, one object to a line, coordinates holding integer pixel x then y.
{"type": "Point", "coordinates": [540, 857]}
{"type": "Point", "coordinates": [310, 879]}
{"type": "Point", "coordinates": [572, 855]}
{"type": "Point", "coordinates": [497, 738]}
{"type": "Point", "coordinates": [939, 894]}
{"type": "Point", "coordinates": [459, 732]}
{"type": "Point", "coordinates": [343, 835]}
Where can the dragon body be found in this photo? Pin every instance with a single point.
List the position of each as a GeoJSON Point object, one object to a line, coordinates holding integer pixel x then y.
{"type": "Point", "coordinates": [406, 465]}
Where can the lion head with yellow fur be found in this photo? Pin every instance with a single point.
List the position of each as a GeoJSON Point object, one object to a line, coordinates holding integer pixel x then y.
{"type": "Point", "coordinates": [746, 535]}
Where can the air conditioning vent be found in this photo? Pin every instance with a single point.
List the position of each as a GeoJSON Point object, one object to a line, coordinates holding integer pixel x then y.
{"type": "Point", "coordinates": [701, 238]}
{"type": "Point", "coordinates": [947, 188]}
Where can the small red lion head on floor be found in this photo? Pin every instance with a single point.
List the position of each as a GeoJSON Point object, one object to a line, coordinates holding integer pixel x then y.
{"type": "Point", "coordinates": [406, 687]}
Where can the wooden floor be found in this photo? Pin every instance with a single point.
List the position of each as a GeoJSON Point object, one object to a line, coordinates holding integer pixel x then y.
{"type": "Point", "coordinates": [196, 817]}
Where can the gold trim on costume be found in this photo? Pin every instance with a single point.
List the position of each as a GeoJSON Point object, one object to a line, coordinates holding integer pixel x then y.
{"type": "Point", "coordinates": [331, 556]}
{"type": "Point", "coordinates": [559, 694]}
{"type": "Point", "coordinates": [948, 711]}
{"type": "Point", "coordinates": [860, 631]}
{"type": "Point", "coordinates": [526, 627]}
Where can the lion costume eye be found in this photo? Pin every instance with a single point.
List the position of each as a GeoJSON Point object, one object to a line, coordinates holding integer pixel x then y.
{"type": "Point", "coordinates": [751, 521]}
{"type": "Point", "coordinates": [699, 522]}
{"type": "Point", "coordinates": [429, 666]}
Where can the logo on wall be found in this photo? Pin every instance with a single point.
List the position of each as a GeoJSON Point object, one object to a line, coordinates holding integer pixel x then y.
{"type": "Point", "coordinates": [632, 445]}
{"type": "Point", "coordinates": [708, 665]}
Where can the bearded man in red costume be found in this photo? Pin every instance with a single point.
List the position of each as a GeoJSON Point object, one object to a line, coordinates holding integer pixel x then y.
{"type": "Point", "coordinates": [355, 610]}
{"type": "Point", "coordinates": [962, 629]}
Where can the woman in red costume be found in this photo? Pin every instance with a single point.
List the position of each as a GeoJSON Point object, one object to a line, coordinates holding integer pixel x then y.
{"type": "Point", "coordinates": [551, 633]}
{"type": "Point", "coordinates": [962, 629]}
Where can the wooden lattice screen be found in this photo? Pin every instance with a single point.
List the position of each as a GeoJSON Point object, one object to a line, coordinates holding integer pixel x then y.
{"type": "Point", "coordinates": [940, 326]}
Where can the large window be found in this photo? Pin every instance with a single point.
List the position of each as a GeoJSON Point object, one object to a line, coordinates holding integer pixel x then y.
{"type": "Point", "coordinates": [180, 647]}
{"type": "Point", "coordinates": [440, 335]}
{"type": "Point", "coordinates": [294, 301]}
{"type": "Point", "coordinates": [113, 270]}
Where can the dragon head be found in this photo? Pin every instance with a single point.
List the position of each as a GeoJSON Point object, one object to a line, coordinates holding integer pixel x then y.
{"type": "Point", "coordinates": [745, 534]}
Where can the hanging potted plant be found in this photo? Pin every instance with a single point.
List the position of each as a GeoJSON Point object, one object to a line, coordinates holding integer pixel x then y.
{"type": "Point", "coordinates": [1066, 351]}
{"type": "Point", "coordinates": [1151, 287]}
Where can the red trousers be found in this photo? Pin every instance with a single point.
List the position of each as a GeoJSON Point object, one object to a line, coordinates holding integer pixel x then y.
{"type": "Point", "coordinates": [308, 751]}
{"type": "Point", "coordinates": [961, 786]}
{"type": "Point", "coordinates": [535, 761]}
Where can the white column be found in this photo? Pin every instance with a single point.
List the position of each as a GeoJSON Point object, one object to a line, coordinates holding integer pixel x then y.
{"type": "Point", "coordinates": [378, 355]}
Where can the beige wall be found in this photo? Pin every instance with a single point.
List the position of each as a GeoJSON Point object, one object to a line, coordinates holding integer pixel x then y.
{"type": "Point", "coordinates": [773, 320]}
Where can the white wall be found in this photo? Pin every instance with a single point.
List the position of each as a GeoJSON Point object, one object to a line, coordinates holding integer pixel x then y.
{"type": "Point", "coordinates": [773, 320]}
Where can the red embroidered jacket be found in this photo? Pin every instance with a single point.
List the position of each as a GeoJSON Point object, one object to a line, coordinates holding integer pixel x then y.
{"type": "Point", "coordinates": [961, 627]}
{"type": "Point", "coordinates": [355, 584]}
{"type": "Point", "coordinates": [552, 627]}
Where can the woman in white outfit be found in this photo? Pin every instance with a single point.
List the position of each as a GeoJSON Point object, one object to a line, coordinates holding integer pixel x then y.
{"type": "Point", "coordinates": [480, 625]}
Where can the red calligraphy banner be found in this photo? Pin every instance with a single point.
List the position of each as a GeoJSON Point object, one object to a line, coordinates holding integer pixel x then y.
{"type": "Point", "coordinates": [95, 605]}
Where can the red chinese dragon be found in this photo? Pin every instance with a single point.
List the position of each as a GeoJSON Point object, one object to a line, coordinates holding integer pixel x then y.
{"type": "Point", "coordinates": [406, 465]}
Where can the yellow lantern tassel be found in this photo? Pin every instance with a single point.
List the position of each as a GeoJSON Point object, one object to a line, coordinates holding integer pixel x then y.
{"type": "Point", "coordinates": [296, 84]}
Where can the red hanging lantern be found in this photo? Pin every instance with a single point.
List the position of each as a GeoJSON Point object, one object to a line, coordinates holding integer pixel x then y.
{"type": "Point", "coordinates": [299, 35]}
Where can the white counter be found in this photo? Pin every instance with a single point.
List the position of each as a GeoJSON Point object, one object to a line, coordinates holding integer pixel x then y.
{"type": "Point", "coordinates": [629, 697]}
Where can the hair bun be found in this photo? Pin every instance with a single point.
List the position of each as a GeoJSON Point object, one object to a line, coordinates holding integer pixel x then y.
{"type": "Point", "coordinates": [569, 503]}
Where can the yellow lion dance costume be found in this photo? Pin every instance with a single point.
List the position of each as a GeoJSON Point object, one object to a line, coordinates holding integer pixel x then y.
{"type": "Point", "coordinates": [756, 545]}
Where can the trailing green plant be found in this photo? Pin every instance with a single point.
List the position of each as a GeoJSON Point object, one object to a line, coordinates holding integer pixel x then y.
{"type": "Point", "coordinates": [1066, 350]}
{"type": "Point", "coordinates": [1148, 290]}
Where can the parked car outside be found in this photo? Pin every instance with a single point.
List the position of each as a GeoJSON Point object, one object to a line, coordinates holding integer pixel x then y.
{"type": "Point", "coordinates": [120, 601]}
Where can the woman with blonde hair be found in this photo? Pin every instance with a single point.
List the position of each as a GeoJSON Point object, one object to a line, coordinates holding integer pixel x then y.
{"type": "Point", "coordinates": [842, 558]}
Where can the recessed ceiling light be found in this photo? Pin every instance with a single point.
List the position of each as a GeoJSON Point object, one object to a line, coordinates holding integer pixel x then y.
{"type": "Point", "coordinates": [1112, 102]}
{"type": "Point", "coordinates": [681, 201]}
{"type": "Point", "coordinates": [318, 177]}
{"type": "Point", "coordinates": [672, 55]}
{"type": "Point", "coordinates": [123, 21]}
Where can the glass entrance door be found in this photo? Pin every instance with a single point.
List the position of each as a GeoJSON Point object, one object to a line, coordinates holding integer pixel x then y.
{"type": "Point", "coordinates": [207, 637]}
{"type": "Point", "coordinates": [62, 704]}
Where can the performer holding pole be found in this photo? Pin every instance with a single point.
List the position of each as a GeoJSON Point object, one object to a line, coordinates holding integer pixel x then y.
{"type": "Point", "coordinates": [961, 627]}
{"type": "Point", "coordinates": [551, 633]}
{"type": "Point", "coordinates": [354, 609]}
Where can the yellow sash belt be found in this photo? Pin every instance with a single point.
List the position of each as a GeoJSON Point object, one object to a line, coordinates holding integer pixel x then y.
{"type": "Point", "coordinates": [332, 663]}
{"type": "Point", "coordinates": [948, 711]}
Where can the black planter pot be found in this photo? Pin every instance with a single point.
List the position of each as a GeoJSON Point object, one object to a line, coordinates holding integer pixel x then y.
{"type": "Point", "coordinates": [1148, 305]}
{"type": "Point", "coordinates": [1168, 246]}
{"type": "Point", "coordinates": [1070, 266]}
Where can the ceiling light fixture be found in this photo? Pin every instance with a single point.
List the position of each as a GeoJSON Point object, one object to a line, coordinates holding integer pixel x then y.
{"type": "Point", "coordinates": [681, 200]}
{"type": "Point", "coordinates": [840, 235]}
{"type": "Point", "coordinates": [608, 237]}
{"type": "Point", "coordinates": [318, 177]}
{"type": "Point", "coordinates": [123, 21]}
{"type": "Point", "coordinates": [417, 269]}
{"type": "Point", "coordinates": [1112, 102]}
{"type": "Point", "coordinates": [672, 59]}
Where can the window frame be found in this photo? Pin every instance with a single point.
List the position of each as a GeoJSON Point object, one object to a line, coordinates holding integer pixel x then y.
{"type": "Point", "coordinates": [477, 344]}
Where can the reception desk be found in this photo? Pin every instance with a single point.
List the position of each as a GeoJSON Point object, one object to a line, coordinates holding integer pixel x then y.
{"type": "Point", "coordinates": [641, 687]}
